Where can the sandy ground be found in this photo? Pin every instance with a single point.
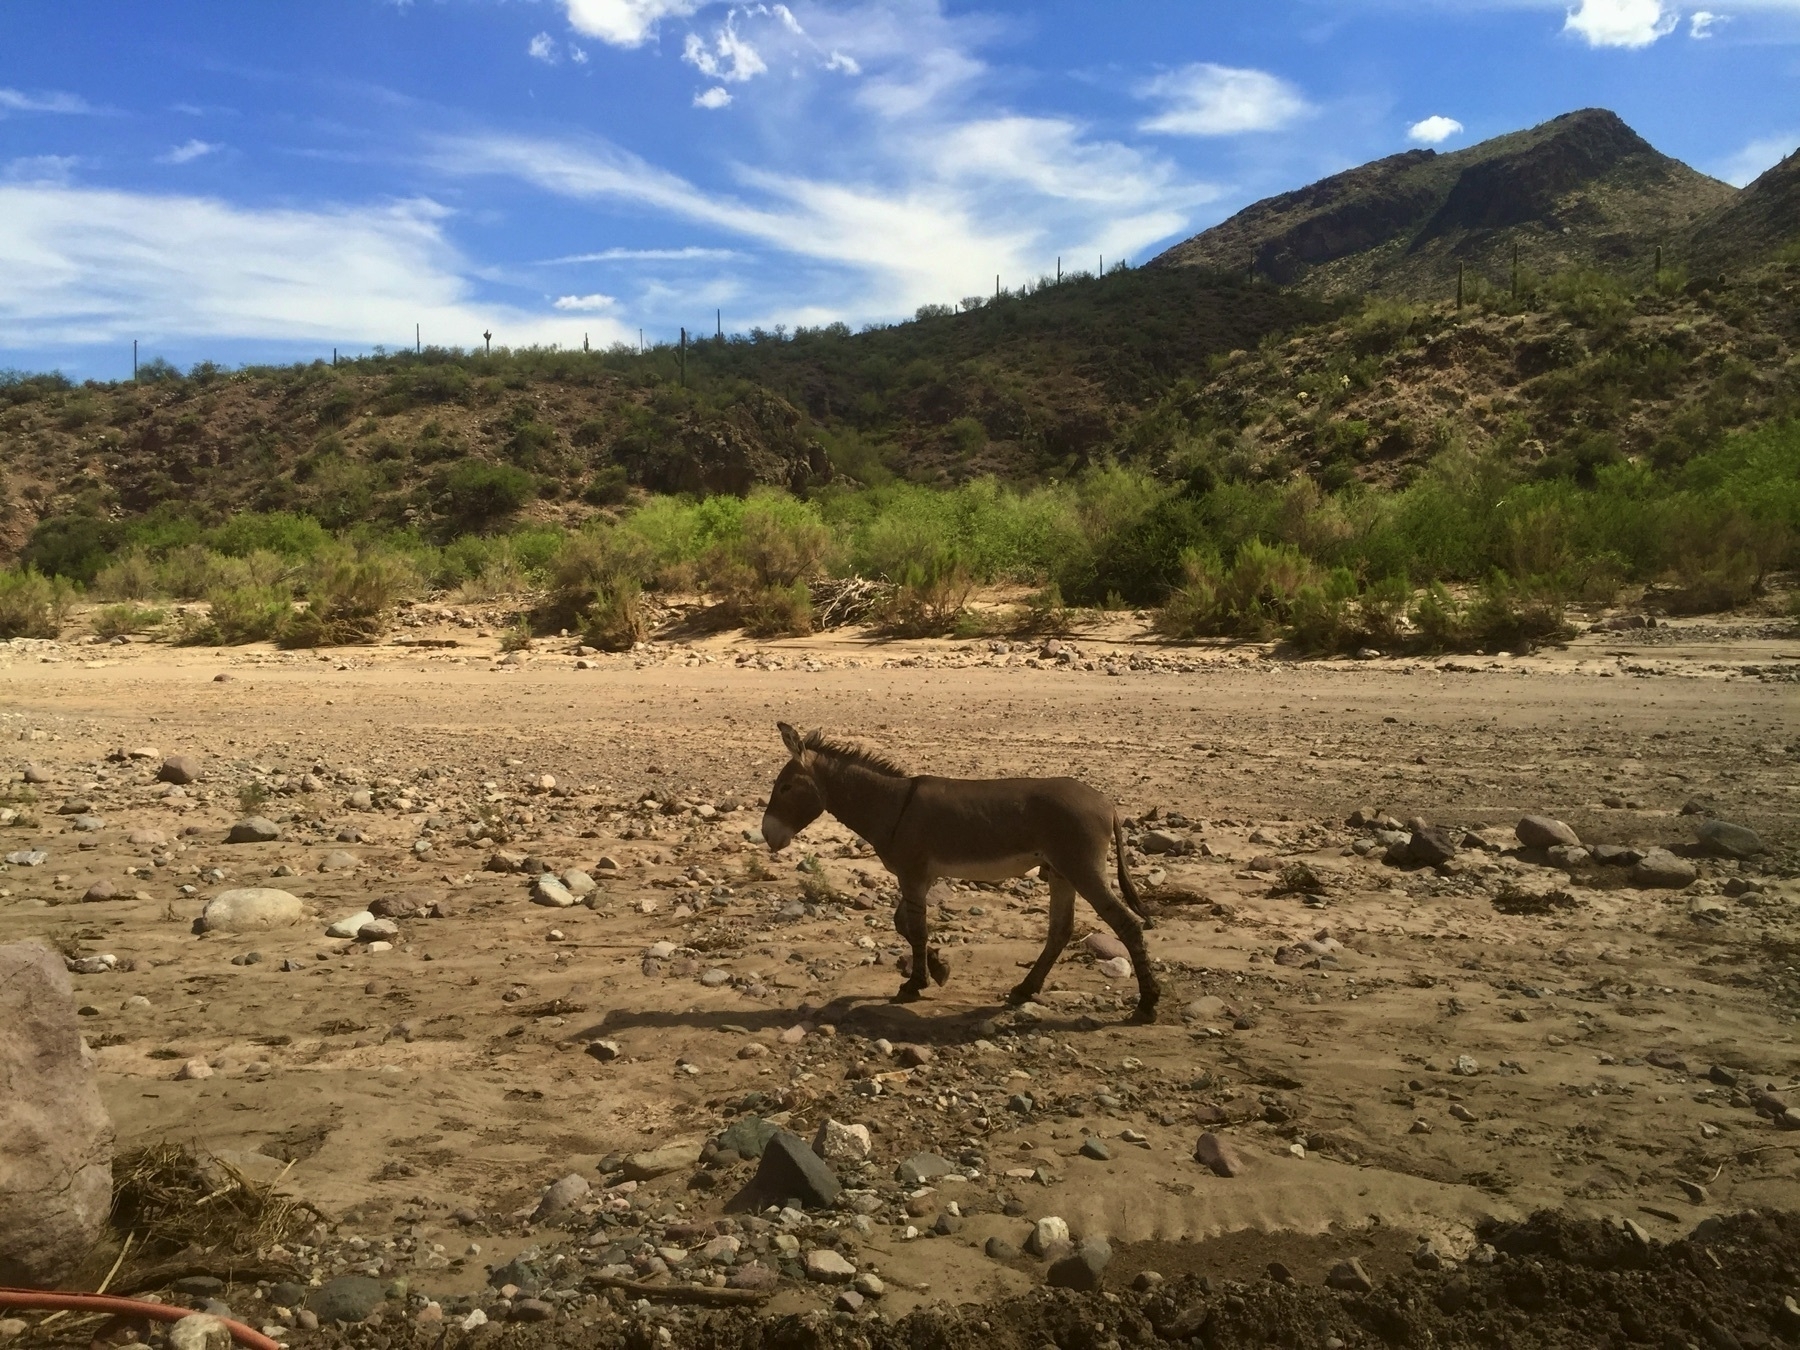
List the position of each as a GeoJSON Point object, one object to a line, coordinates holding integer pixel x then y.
{"type": "Point", "coordinates": [450, 1072]}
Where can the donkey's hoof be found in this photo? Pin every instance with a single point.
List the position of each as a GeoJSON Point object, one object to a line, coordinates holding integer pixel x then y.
{"type": "Point", "coordinates": [910, 993]}
{"type": "Point", "coordinates": [1143, 1015]}
{"type": "Point", "coordinates": [1019, 994]}
{"type": "Point", "coordinates": [939, 968]}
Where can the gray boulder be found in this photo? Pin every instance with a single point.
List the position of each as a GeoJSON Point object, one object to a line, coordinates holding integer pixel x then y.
{"type": "Point", "coordinates": [1543, 832]}
{"type": "Point", "coordinates": [1659, 869]}
{"type": "Point", "coordinates": [56, 1139]}
{"type": "Point", "coordinates": [179, 769]}
{"type": "Point", "coordinates": [254, 830]}
{"type": "Point", "coordinates": [1430, 844]}
{"type": "Point", "coordinates": [790, 1170]}
{"type": "Point", "coordinates": [1084, 1270]}
{"type": "Point", "coordinates": [251, 909]}
{"type": "Point", "coordinates": [348, 1298]}
{"type": "Point", "coordinates": [1722, 839]}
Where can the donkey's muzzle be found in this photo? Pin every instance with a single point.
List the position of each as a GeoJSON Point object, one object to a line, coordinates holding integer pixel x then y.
{"type": "Point", "coordinates": [776, 833]}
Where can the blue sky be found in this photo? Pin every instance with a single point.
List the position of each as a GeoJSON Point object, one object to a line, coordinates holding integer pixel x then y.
{"type": "Point", "coordinates": [249, 182]}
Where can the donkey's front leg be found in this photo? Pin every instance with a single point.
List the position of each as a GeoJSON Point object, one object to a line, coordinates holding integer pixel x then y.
{"type": "Point", "coordinates": [911, 922]}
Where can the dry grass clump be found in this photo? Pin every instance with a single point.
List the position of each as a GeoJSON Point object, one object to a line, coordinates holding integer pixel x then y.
{"type": "Point", "coordinates": [175, 1197]}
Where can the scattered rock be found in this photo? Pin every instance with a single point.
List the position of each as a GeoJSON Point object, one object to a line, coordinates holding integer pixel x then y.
{"type": "Point", "coordinates": [1543, 832]}
{"type": "Point", "coordinates": [339, 860]}
{"type": "Point", "coordinates": [578, 883]}
{"type": "Point", "coordinates": [37, 775]}
{"type": "Point", "coordinates": [660, 1162]}
{"type": "Point", "coordinates": [179, 769]}
{"type": "Point", "coordinates": [1093, 1148]}
{"type": "Point", "coordinates": [1659, 869]}
{"type": "Point", "coordinates": [1117, 968]}
{"type": "Point", "coordinates": [532, 1310]}
{"type": "Point", "coordinates": [921, 1168]}
{"type": "Point", "coordinates": [1104, 946]}
{"type": "Point", "coordinates": [1350, 1276]}
{"type": "Point", "coordinates": [1047, 1233]}
{"type": "Point", "coordinates": [547, 890]}
{"type": "Point", "coordinates": [1431, 845]}
{"type": "Point", "coordinates": [754, 1275]}
{"type": "Point", "coordinates": [350, 925]}
{"type": "Point", "coordinates": [346, 1298]}
{"type": "Point", "coordinates": [254, 830]}
{"type": "Point", "coordinates": [200, 1331]}
{"type": "Point", "coordinates": [836, 1142]}
{"type": "Point", "coordinates": [562, 1195]}
{"type": "Point", "coordinates": [849, 1301]}
{"type": "Point", "coordinates": [251, 909]}
{"type": "Point", "coordinates": [748, 1136]}
{"type": "Point", "coordinates": [1214, 1153]}
{"type": "Point", "coordinates": [999, 1249]}
{"type": "Point", "coordinates": [828, 1267]}
{"type": "Point", "coordinates": [100, 890]}
{"type": "Point", "coordinates": [1083, 1270]}
{"type": "Point", "coordinates": [55, 1135]}
{"type": "Point", "coordinates": [604, 1051]}
{"type": "Point", "coordinates": [789, 1171]}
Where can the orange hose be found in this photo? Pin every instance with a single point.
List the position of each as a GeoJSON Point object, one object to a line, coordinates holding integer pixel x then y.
{"type": "Point", "coordinates": [39, 1300]}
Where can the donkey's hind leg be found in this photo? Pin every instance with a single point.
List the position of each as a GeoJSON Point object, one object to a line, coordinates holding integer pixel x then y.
{"type": "Point", "coordinates": [911, 923]}
{"type": "Point", "coordinates": [1092, 884]}
{"type": "Point", "coordinates": [1062, 924]}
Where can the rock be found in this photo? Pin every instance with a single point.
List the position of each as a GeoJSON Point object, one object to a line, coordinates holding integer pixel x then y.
{"type": "Point", "coordinates": [86, 824]}
{"type": "Point", "coordinates": [1568, 856]}
{"type": "Point", "coordinates": [1666, 1059]}
{"type": "Point", "coordinates": [836, 1142]}
{"type": "Point", "coordinates": [1047, 1233]}
{"type": "Point", "coordinates": [789, 1171]}
{"type": "Point", "coordinates": [999, 1249]}
{"type": "Point", "coordinates": [1215, 1154]}
{"type": "Point", "coordinates": [754, 1275]}
{"type": "Point", "coordinates": [147, 838]}
{"type": "Point", "coordinates": [1166, 841]}
{"type": "Point", "coordinates": [828, 1267]}
{"type": "Point", "coordinates": [1694, 1191]}
{"type": "Point", "coordinates": [848, 1302]}
{"type": "Point", "coordinates": [347, 1298]}
{"type": "Point", "coordinates": [1093, 1148]}
{"type": "Point", "coordinates": [100, 890]}
{"type": "Point", "coordinates": [350, 925]}
{"type": "Point", "coordinates": [532, 1310]}
{"type": "Point", "coordinates": [194, 1070]}
{"type": "Point", "coordinates": [394, 907]}
{"type": "Point", "coordinates": [200, 1331]}
{"type": "Point", "coordinates": [253, 830]}
{"type": "Point", "coordinates": [1349, 1276]}
{"type": "Point", "coordinates": [360, 800]}
{"type": "Point", "coordinates": [28, 857]}
{"type": "Point", "coordinates": [1466, 1066]}
{"type": "Point", "coordinates": [1084, 1270]}
{"type": "Point", "coordinates": [660, 1162]}
{"type": "Point", "coordinates": [11, 1328]}
{"type": "Point", "coordinates": [561, 1196]}
{"type": "Point", "coordinates": [339, 860]}
{"type": "Point", "coordinates": [1117, 968]}
{"type": "Point", "coordinates": [748, 1136]}
{"type": "Point", "coordinates": [179, 769]}
{"type": "Point", "coordinates": [1614, 855]}
{"type": "Point", "coordinates": [504, 861]}
{"type": "Point", "coordinates": [1104, 946]}
{"type": "Point", "coordinates": [547, 890]}
{"type": "Point", "coordinates": [251, 909]}
{"type": "Point", "coordinates": [921, 1168]}
{"type": "Point", "coordinates": [1460, 1112]}
{"type": "Point", "coordinates": [55, 1136]}
{"type": "Point", "coordinates": [1434, 1252]}
{"type": "Point", "coordinates": [1430, 844]}
{"type": "Point", "coordinates": [604, 1051]}
{"type": "Point", "coordinates": [912, 1056]}
{"type": "Point", "coordinates": [1659, 869]}
{"type": "Point", "coordinates": [578, 883]}
{"type": "Point", "coordinates": [37, 774]}
{"type": "Point", "coordinates": [378, 930]}
{"type": "Point", "coordinates": [1708, 908]}
{"type": "Point", "coordinates": [1544, 832]}
{"type": "Point", "coordinates": [714, 977]}
{"type": "Point", "coordinates": [1722, 839]}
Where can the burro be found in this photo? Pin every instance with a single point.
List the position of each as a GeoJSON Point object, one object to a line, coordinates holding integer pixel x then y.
{"type": "Point", "coordinates": [972, 829]}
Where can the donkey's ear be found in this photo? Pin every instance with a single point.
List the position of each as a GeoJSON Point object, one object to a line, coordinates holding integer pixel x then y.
{"type": "Point", "coordinates": [791, 739]}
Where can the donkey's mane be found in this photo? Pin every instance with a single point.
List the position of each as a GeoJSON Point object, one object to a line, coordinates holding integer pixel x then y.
{"type": "Point", "coordinates": [858, 754]}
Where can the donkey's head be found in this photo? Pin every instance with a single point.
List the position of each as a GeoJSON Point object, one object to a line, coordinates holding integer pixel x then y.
{"type": "Point", "coordinates": [794, 801]}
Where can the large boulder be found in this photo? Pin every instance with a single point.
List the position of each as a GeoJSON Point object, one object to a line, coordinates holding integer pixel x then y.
{"type": "Point", "coordinates": [1544, 832]}
{"type": "Point", "coordinates": [55, 1136]}
{"type": "Point", "coordinates": [251, 909]}
{"type": "Point", "coordinates": [1723, 839]}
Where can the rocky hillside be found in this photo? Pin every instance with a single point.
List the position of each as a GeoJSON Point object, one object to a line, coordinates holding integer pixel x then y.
{"type": "Point", "coordinates": [1761, 222]}
{"type": "Point", "coordinates": [1583, 190]}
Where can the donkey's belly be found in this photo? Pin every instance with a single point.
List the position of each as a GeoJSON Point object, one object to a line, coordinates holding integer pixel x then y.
{"type": "Point", "coordinates": [985, 869]}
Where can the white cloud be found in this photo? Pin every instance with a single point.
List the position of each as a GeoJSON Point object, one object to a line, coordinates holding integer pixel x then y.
{"type": "Point", "coordinates": [577, 55]}
{"type": "Point", "coordinates": [58, 169]}
{"type": "Point", "coordinates": [586, 304]}
{"type": "Point", "coordinates": [81, 266]}
{"type": "Point", "coordinates": [647, 255]}
{"type": "Point", "coordinates": [731, 58]}
{"type": "Point", "coordinates": [1765, 152]}
{"type": "Point", "coordinates": [542, 48]}
{"type": "Point", "coordinates": [1434, 130]}
{"type": "Point", "coordinates": [188, 151]}
{"type": "Point", "coordinates": [16, 100]}
{"type": "Point", "coordinates": [625, 23]}
{"type": "Point", "coordinates": [1703, 21]}
{"type": "Point", "coordinates": [1621, 23]}
{"type": "Point", "coordinates": [841, 62]}
{"type": "Point", "coordinates": [715, 98]}
{"type": "Point", "coordinates": [1211, 100]}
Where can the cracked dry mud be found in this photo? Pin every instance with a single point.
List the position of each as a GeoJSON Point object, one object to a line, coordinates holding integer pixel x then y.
{"type": "Point", "coordinates": [1432, 1064]}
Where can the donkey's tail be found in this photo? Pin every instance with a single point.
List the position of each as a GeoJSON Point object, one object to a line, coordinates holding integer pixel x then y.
{"type": "Point", "coordinates": [1131, 896]}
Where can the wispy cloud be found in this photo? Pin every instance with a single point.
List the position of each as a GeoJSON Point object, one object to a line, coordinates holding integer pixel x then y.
{"type": "Point", "coordinates": [1621, 23]}
{"type": "Point", "coordinates": [58, 169]}
{"type": "Point", "coordinates": [585, 304]}
{"type": "Point", "coordinates": [1702, 23]}
{"type": "Point", "coordinates": [88, 266]}
{"type": "Point", "coordinates": [731, 57]}
{"type": "Point", "coordinates": [648, 255]}
{"type": "Point", "coordinates": [715, 98]}
{"type": "Point", "coordinates": [17, 100]}
{"type": "Point", "coordinates": [542, 48]}
{"type": "Point", "coordinates": [1759, 155]}
{"type": "Point", "coordinates": [1434, 130]}
{"type": "Point", "coordinates": [188, 152]}
{"type": "Point", "coordinates": [1211, 100]}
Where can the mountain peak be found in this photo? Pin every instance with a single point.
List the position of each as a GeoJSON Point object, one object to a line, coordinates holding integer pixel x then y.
{"type": "Point", "coordinates": [1582, 188]}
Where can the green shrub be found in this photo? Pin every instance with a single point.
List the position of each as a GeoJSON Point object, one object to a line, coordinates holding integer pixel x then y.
{"type": "Point", "coordinates": [31, 604]}
{"type": "Point", "coordinates": [930, 599]}
{"type": "Point", "coordinates": [776, 611]}
{"type": "Point", "coordinates": [1514, 616]}
{"type": "Point", "coordinates": [280, 532]}
{"type": "Point", "coordinates": [1322, 614]}
{"type": "Point", "coordinates": [610, 486]}
{"type": "Point", "coordinates": [121, 620]}
{"type": "Point", "coordinates": [1250, 599]}
{"type": "Point", "coordinates": [350, 598]}
{"type": "Point", "coordinates": [132, 577]}
{"type": "Point", "coordinates": [76, 547]}
{"type": "Point", "coordinates": [476, 493]}
{"type": "Point", "coordinates": [236, 615]}
{"type": "Point", "coordinates": [597, 583]}
{"type": "Point", "coordinates": [760, 573]}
